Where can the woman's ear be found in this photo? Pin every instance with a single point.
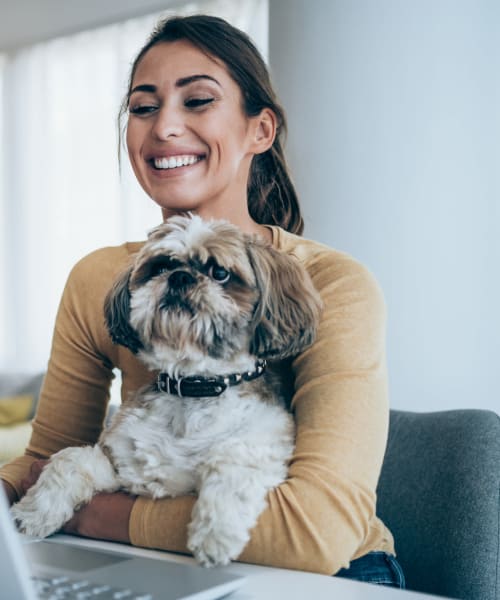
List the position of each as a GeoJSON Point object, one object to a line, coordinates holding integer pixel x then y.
{"type": "Point", "coordinates": [264, 127]}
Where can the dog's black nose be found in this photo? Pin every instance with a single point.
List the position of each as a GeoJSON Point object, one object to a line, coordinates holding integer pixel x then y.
{"type": "Point", "coordinates": [180, 279]}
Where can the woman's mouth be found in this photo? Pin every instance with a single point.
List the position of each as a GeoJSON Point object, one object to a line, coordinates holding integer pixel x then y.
{"type": "Point", "coordinates": [174, 162]}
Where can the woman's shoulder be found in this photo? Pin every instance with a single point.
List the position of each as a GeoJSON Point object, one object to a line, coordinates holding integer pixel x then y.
{"type": "Point", "coordinates": [353, 300]}
{"type": "Point", "coordinates": [106, 261]}
{"type": "Point", "coordinates": [93, 275]}
{"type": "Point", "coordinates": [308, 250]}
{"type": "Point", "coordinates": [327, 266]}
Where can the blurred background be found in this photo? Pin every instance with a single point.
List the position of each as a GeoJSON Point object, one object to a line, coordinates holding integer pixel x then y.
{"type": "Point", "coordinates": [394, 143]}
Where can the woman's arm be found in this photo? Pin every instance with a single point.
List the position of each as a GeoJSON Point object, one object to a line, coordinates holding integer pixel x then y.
{"type": "Point", "coordinates": [106, 517]}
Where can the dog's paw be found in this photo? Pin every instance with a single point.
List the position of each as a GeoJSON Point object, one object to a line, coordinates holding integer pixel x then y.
{"type": "Point", "coordinates": [38, 521]}
{"type": "Point", "coordinates": [210, 552]}
{"type": "Point", "coordinates": [215, 546]}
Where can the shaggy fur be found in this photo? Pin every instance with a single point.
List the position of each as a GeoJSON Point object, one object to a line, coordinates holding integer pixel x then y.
{"type": "Point", "coordinates": [201, 298]}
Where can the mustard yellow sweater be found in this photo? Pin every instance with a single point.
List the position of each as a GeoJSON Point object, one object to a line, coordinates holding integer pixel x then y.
{"type": "Point", "coordinates": [324, 515]}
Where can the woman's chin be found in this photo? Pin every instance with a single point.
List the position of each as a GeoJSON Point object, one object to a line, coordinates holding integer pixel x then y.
{"type": "Point", "coordinates": [169, 208]}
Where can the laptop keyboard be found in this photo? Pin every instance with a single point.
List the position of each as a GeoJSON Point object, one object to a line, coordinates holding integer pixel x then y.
{"type": "Point", "coordinates": [57, 588]}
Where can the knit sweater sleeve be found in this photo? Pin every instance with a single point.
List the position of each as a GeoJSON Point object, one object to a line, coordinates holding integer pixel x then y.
{"type": "Point", "coordinates": [324, 514]}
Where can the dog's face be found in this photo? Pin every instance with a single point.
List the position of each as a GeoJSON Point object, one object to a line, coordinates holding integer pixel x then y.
{"type": "Point", "coordinates": [206, 288]}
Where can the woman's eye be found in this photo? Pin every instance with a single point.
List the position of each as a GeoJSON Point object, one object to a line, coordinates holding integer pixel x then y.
{"type": "Point", "coordinates": [142, 109]}
{"type": "Point", "coordinates": [197, 102]}
{"type": "Point", "coordinates": [219, 274]}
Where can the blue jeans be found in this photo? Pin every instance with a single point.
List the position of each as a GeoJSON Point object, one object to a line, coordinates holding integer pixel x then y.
{"type": "Point", "coordinates": [375, 567]}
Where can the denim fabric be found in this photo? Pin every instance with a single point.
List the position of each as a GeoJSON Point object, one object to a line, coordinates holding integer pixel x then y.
{"type": "Point", "coordinates": [376, 567]}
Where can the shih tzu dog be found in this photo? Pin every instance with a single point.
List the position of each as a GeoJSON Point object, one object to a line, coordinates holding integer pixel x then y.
{"type": "Point", "coordinates": [205, 306]}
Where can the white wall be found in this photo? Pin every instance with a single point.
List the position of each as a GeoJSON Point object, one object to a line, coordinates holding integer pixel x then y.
{"type": "Point", "coordinates": [25, 22]}
{"type": "Point", "coordinates": [394, 115]}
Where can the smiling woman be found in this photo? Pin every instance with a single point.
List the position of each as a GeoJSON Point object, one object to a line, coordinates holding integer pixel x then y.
{"type": "Point", "coordinates": [200, 90]}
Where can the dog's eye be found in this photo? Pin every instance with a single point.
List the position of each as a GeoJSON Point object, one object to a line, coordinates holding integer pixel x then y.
{"type": "Point", "coordinates": [219, 274]}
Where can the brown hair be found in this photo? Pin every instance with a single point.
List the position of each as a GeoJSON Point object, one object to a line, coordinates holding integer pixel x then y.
{"type": "Point", "coordinates": [272, 198]}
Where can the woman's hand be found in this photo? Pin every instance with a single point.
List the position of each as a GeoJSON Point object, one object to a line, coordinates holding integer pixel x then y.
{"type": "Point", "coordinates": [105, 517]}
{"type": "Point", "coordinates": [33, 475]}
{"type": "Point", "coordinates": [31, 479]}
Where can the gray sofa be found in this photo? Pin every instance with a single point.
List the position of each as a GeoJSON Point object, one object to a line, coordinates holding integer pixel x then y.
{"type": "Point", "coordinates": [439, 493]}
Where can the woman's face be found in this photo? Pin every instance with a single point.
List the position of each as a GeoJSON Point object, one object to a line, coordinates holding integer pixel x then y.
{"type": "Point", "coordinates": [188, 139]}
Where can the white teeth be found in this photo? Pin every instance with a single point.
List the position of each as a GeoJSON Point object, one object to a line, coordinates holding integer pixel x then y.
{"type": "Point", "coordinates": [175, 161]}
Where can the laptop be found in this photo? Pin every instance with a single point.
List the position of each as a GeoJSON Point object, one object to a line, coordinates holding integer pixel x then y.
{"type": "Point", "coordinates": [31, 569]}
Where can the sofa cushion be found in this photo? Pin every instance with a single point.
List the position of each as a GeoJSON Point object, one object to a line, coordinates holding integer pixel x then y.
{"type": "Point", "coordinates": [18, 396]}
{"type": "Point", "coordinates": [13, 440]}
{"type": "Point", "coordinates": [16, 409]}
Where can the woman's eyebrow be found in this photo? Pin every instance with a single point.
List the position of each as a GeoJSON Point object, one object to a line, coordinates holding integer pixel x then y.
{"type": "Point", "coordinates": [183, 81]}
{"type": "Point", "coordinates": [145, 87]}
{"type": "Point", "coordinates": [192, 78]}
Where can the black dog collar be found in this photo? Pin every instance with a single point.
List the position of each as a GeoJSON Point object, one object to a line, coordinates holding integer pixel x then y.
{"type": "Point", "coordinates": [196, 386]}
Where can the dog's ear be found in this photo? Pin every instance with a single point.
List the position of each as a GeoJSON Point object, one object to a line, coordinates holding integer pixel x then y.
{"type": "Point", "coordinates": [117, 314]}
{"type": "Point", "coordinates": [287, 315]}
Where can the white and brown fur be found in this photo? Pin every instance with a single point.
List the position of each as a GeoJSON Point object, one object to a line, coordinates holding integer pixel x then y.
{"type": "Point", "coordinates": [229, 450]}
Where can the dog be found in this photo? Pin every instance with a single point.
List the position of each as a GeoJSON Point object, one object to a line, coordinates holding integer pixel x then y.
{"type": "Point", "coordinates": [207, 307]}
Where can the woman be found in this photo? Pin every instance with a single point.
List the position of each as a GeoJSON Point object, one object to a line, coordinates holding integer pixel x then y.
{"type": "Point", "coordinates": [204, 134]}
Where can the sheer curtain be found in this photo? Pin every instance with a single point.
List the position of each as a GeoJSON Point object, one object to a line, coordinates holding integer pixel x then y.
{"type": "Point", "coordinates": [61, 193]}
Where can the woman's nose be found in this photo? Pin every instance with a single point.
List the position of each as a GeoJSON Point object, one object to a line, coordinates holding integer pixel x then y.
{"type": "Point", "coordinates": [168, 123]}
